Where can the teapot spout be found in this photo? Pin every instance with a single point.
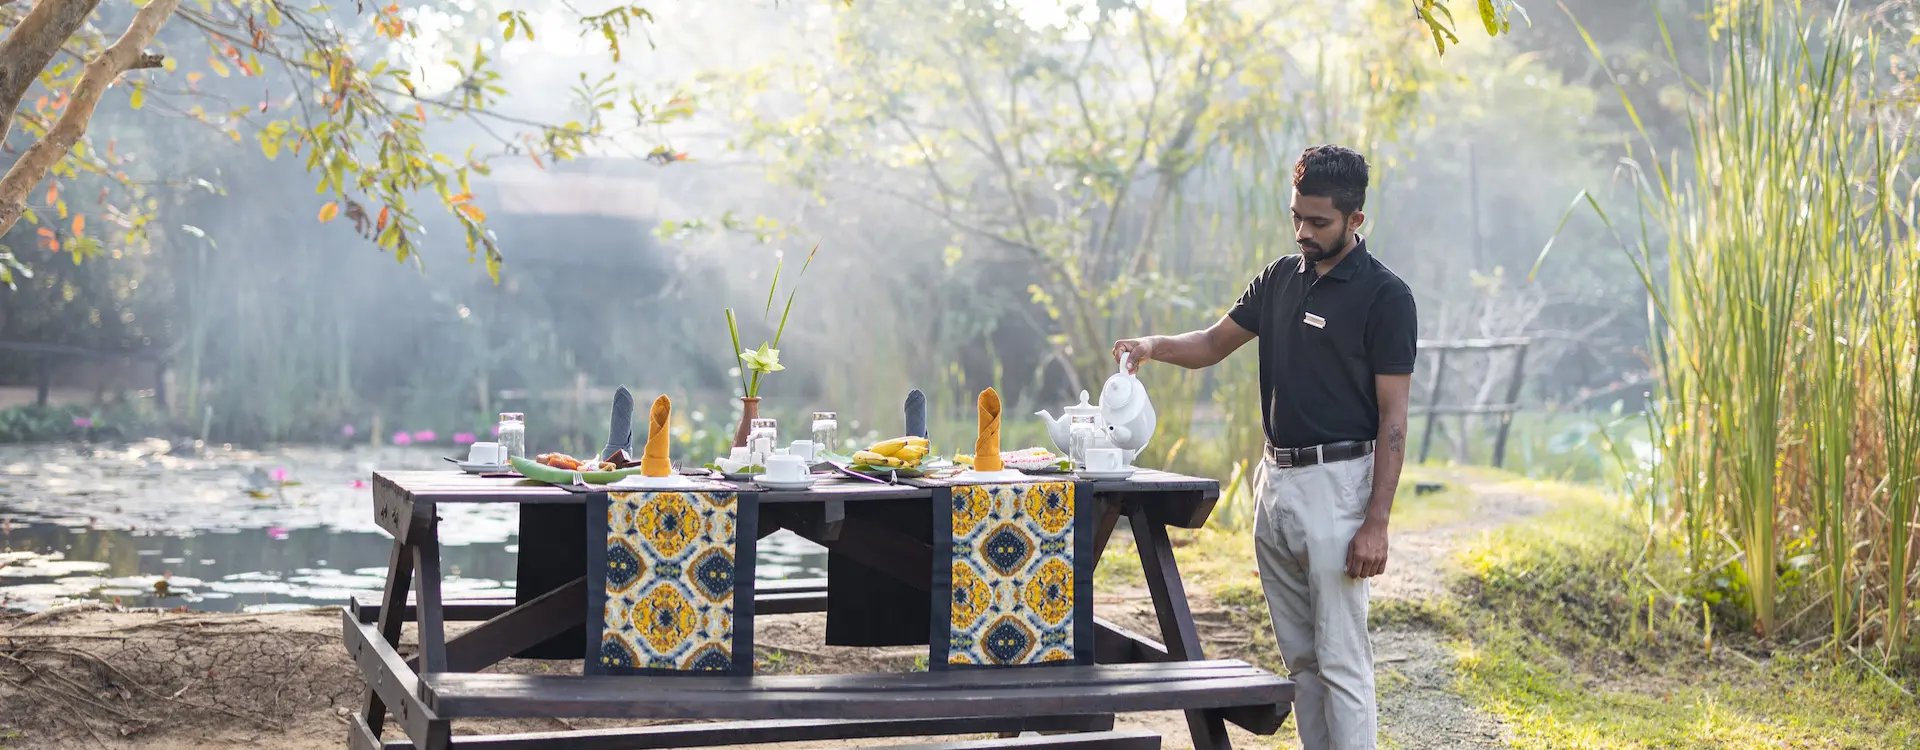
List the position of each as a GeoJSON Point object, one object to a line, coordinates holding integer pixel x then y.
{"type": "Point", "coordinates": [1056, 429]}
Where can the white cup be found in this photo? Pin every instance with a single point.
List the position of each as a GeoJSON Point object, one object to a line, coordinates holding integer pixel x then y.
{"type": "Point", "coordinates": [806, 450]}
{"type": "Point", "coordinates": [786, 468]}
{"type": "Point", "coordinates": [487, 454]}
{"type": "Point", "coordinates": [1103, 459]}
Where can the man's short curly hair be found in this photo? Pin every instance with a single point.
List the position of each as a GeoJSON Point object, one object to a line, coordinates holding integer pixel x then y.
{"type": "Point", "coordinates": [1335, 172]}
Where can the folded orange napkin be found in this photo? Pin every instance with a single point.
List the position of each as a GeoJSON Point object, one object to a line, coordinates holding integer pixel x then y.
{"type": "Point", "coordinates": [654, 461]}
{"type": "Point", "coordinates": [986, 447]}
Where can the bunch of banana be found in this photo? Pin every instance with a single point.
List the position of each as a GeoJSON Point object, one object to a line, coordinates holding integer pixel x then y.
{"type": "Point", "coordinates": [897, 453]}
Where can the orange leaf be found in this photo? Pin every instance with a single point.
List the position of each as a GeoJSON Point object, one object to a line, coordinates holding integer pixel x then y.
{"type": "Point", "coordinates": [393, 8]}
{"type": "Point", "coordinates": [193, 78]}
{"type": "Point", "coordinates": [79, 223]}
{"type": "Point", "coordinates": [473, 212]}
{"type": "Point", "coordinates": [47, 240]}
{"type": "Point", "coordinates": [327, 212]}
{"type": "Point", "coordinates": [382, 222]}
{"type": "Point", "coordinates": [53, 192]}
{"type": "Point", "coordinates": [40, 104]}
{"type": "Point", "coordinates": [536, 160]}
{"type": "Point", "coordinates": [421, 111]}
{"type": "Point", "coordinates": [461, 198]}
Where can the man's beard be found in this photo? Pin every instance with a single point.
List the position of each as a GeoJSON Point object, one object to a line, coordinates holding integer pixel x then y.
{"type": "Point", "coordinates": [1314, 253]}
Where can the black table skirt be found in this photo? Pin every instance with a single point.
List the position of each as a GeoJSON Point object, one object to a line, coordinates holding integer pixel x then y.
{"type": "Point", "coordinates": [865, 606]}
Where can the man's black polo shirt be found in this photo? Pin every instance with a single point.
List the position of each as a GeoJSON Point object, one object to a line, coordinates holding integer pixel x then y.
{"type": "Point", "coordinates": [1322, 339]}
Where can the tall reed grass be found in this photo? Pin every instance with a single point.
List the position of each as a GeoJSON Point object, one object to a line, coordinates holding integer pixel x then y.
{"type": "Point", "coordinates": [1778, 250]}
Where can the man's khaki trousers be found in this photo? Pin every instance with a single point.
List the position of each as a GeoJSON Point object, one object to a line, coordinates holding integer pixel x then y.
{"type": "Point", "coordinates": [1305, 518]}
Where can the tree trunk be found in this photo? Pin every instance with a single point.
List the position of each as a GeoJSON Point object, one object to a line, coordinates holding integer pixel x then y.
{"type": "Point", "coordinates": [26, 51]}
{"type": "Point", "coordinates": [100, 73]}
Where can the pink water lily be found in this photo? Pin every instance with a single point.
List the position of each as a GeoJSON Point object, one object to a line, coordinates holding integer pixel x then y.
{"type": "Point", "coordinates": [424, 436]}
{"type": "Point", "coordinates": [279, 474]}
{"type": "Point", "coordinates": [346, 430]}
{"type": "Point", "coordinates": [83, 422]}
{"type": "Point", "coordinates": [277, 533]}
{"type": "Point", "coordinates": [463, 438]}
{"type": "Point", "coordinates": [358, 484]}
{"type": "Point", "coordinates": [402, 438]}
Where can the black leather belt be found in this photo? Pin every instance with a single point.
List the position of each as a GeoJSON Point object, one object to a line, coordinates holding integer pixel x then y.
{"type": "Point", "coordinates": [1287, 458]}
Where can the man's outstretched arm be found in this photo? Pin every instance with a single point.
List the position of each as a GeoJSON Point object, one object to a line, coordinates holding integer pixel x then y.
{"type": "Point", "coordinates": [1192, 350]}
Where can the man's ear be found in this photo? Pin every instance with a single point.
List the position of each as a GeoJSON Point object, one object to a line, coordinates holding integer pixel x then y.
{"type": "Point", "coordinates": [1356, 219]}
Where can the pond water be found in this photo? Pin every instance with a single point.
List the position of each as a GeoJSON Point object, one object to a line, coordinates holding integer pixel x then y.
{"type": "Point", "coordinates": [153, 524]}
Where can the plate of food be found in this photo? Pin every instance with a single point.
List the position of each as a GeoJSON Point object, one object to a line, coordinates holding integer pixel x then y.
{"type": "Point", "coordinates": [1029, 460]}
{"type": "Point", "coordinates": [560, 468]}
{"type": "Point", "coordinates": [900, 457]}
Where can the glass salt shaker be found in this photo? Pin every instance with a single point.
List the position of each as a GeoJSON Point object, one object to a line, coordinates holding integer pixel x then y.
{"type": "Point", "coordinates": [826, 431]}
{"type": "Point", "coordinates": [513, 433]}
{"type": "Point", "coordinates": [1084, 434]}
{"type": "Point", "coordinates": [761, 435]}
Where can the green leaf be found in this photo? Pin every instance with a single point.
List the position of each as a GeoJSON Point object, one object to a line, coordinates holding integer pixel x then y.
{"type": "Point", "coordinates": [1489, 17]}
{"type": "Point", "coordinates": [613, 39]}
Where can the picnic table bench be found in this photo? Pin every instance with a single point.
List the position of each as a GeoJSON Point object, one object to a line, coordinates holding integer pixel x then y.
{"type": "Point", "coordinates": [443, 682]}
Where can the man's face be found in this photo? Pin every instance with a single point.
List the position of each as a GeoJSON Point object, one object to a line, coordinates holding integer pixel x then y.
{"type": "Point", "coordinates": [1319, 229]}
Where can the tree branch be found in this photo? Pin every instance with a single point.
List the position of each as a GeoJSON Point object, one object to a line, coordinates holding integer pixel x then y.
{"type": "Point", "coordinates": [26, 51]}
{"type": "Point", "coordinates": [100, 73]}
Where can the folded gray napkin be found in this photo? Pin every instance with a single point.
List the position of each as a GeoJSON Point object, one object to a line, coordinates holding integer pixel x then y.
{"type": "Point", "coordinates": [620, 432]}
{"type": "Point", "coordinates": [917, 413]}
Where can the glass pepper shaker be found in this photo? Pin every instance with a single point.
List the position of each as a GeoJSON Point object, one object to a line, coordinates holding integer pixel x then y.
{"type": "Point", "coordinates": [826, 431]}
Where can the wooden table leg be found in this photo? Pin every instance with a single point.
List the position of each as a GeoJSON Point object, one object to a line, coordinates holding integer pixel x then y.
{"type": "Point", "coordinates": [1176, 619]}
{"type": "Point", "coordinates": [393, 605]}
{"type": "Point", "coordinates": [1110, 511]}
{"type": "Point", "coordinates": [433, 631]}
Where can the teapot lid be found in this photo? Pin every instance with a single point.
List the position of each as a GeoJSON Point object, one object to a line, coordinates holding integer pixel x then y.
{"type": "Point", "coordinates": [1083, 408]}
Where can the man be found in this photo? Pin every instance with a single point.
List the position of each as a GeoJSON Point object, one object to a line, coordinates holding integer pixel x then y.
{"type": "Point", "coordinates": [1337, 340]}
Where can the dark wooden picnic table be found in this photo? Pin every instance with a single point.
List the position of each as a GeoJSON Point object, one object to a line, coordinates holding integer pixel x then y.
{"type": "Point", "coordinates": [443, 682]}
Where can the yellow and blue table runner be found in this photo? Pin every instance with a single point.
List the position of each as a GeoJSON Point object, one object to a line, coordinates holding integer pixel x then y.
{"type": "Point", "coordinates": [670, 582]}
{"type": "Point", "coordinates": [1013, 576]}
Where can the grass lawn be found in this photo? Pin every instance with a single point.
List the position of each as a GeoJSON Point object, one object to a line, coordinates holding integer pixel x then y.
{"type": "Point", "coordinates": [1552, 637]}
{"type": "Point", "coordinates": [1548, 623]}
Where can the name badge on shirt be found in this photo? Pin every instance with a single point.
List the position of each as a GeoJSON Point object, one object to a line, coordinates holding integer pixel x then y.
{"type": "Point", "coordinates": [1315, 321]}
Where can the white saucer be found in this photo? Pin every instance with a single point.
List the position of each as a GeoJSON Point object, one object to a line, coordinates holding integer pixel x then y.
{"type": "Point", "coordinates": [1102, 476]}
{"type": "Point", "coordinates": [780, 484]}
{"type": "Point", "coordinates": [668, 482]}
{"type": "Point", "coordinates": [1003, 475]}
{"type": "Point", "coordinates": [484, 468]}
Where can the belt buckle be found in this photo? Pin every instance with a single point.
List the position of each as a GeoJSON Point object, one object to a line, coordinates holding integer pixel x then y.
{"type": "Point", "coordinates": [1282, 458]}
{"type": "Point", "coordinates": [1319, 454]}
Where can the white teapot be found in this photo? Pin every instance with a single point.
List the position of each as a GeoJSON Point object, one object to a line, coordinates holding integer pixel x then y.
{"type": "Point", "coordinates": [1126, 411]}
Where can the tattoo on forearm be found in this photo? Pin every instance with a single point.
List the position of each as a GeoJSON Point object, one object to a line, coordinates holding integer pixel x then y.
{"type": "Point", "coordinates": [1397, 438]}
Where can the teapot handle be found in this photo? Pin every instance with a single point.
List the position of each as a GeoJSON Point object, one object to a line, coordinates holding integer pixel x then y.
{"type": "Point", "coordinates": [1125, 356]}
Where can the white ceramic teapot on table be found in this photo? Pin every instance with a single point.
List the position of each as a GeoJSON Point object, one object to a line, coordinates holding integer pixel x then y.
{"type": "Point", "coordinates": [1061, 428]}
{"type": "Point", "coordinates": [1126, 410]}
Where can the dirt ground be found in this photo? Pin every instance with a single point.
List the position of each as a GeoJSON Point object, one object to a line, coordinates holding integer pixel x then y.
{"type": "Point", "coordinates": [94, 676]}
